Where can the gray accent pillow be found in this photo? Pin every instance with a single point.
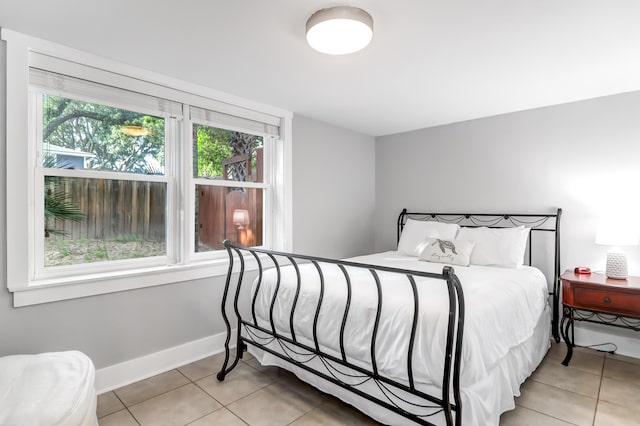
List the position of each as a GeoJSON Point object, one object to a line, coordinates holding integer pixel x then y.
{"type": "Point", "coordinates": [451, 252]}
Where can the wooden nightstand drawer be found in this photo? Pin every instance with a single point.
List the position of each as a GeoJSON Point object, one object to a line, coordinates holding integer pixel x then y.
{"type": "Point", "coordinates": [607, 301]}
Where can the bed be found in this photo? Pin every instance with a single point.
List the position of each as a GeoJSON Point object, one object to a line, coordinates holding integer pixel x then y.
{"type": "Point", "coordinates": [404, 336]}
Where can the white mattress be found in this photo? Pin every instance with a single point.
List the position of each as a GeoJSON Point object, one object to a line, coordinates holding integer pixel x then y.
{"type": "Point", "coordinates": [506, 309]}
{"type": "Point", "coordinates": [56, 388]}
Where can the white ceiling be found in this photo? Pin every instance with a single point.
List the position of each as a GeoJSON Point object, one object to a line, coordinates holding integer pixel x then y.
{"type": "Point", "coordinates": [430, 62]}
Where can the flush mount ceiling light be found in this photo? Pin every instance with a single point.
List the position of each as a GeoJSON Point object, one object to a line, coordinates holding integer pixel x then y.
{"type": "Point", "coordinates": [339, 30]}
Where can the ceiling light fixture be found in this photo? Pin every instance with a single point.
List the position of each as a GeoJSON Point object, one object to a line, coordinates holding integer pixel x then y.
{"type": "Point", "coordinates": [339, 30]}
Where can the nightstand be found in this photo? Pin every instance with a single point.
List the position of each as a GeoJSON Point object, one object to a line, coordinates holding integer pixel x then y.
{"type": "Point", "coordinates": [598, 299]}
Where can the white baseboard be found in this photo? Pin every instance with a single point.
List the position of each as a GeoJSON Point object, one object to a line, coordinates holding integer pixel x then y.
{"type": "Point", "coordinates": [118, 375]}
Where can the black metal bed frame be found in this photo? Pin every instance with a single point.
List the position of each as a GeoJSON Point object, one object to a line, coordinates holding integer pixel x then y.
{"type": "Point", "coordinates": [536, 223]}
{"type": "Point", "coordinates": [389, 393]}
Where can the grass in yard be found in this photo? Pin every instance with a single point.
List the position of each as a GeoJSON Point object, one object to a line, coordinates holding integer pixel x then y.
{"type": "Point", "coordinates": [74, 252]}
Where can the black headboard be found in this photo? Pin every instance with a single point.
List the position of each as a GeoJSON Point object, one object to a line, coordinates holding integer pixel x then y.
{"type": "Point", "coordinates": [538, 223]}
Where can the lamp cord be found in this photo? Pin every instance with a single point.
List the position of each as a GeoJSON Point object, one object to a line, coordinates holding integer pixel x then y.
{"type": "Point", "coordinates": [595, 347]}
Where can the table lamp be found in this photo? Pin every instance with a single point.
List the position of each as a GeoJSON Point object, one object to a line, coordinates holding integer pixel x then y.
{"type": "Point", "coordinates": [240, 218]}
{"type": "Point", "coordinates": [616, 232]}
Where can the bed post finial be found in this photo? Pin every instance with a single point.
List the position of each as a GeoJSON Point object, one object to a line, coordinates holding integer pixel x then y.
{"type": "Point", "coordinates": [448, 272]}
{"type": "Point", "coordinates": [226, 243]}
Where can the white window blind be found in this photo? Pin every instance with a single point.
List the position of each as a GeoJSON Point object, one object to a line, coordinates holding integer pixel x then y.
{"type": "Point", "coordinates": [258, 123]}
{"type": "Point", "coordinates": [66, 86]}
{"type": "Point", "coordinates": [204, 109]}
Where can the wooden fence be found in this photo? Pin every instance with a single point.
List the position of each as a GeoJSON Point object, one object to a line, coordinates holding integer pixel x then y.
{"type": "Point", "coordinates": [117, 209]}
{"type": "Point", "coordinates": [214, 222]}
{"type": "Point", "coordinates": [114, 209]}
{"type": "Point", "coordinates": [216, 205]}
{"type": "Point", "coordinates": [136, 210]}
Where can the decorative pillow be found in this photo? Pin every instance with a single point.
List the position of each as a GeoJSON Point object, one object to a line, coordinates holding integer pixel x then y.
{"type": "Point", "coordinates": [412, 239]}
{"type": "Point", "coordinates": [497, 247]}
{"type": "Point", "coordinates": [452, 252]}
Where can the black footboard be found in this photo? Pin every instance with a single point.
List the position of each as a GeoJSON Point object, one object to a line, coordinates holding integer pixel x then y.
{"type": "Point", "coordinates": [402, 396]}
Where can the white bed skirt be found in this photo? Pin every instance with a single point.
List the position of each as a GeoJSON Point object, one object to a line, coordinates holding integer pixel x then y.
{"type": "Point", "coordinates": [482, 403]}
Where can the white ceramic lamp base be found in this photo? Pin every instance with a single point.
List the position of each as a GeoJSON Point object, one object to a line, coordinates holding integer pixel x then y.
{"type": "Point", "coordinates": [617, 265]}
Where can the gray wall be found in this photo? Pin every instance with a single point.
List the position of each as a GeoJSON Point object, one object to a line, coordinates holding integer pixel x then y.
{"type": "Point", "coordinates": [334, 187]}
{"type": "Point", "coordinates": [583, 157]}
{"type": "Point", "coordinates": [121, 326]}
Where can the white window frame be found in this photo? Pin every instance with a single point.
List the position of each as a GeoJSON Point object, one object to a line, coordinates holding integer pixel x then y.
{"type": "Point", "coordinates": [38, 269]}
{"type": "Point", "coordinates": [30, 285]}
{"type": "Point", "coordinates": [269, 150]}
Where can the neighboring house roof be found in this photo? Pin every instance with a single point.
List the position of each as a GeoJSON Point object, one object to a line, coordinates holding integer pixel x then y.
{"type": "Point", "coordinates": [55, 149]}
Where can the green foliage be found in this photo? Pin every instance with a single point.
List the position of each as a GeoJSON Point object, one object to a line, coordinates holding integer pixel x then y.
{"type": "Point", "coordinates": [100, 253]}
{"type": "Point", "coordinates": [213, 145]}
{"type": "Point", "coordinates": [57, 205]}
{"type": "Point", "coordinates": [98, 129]}
{"type": "Point", "coordinates": [212, 148]}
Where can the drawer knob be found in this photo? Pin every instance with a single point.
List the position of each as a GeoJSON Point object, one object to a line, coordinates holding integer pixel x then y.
{"type": "Point", "coordinates": [607, 300]}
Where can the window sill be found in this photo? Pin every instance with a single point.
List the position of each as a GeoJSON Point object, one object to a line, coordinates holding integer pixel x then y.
{"type": "Point", "coordinates": [52, 290]}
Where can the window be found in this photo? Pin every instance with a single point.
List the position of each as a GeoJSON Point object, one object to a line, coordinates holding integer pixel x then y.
{"type": "Point", "coordinates": [229, 185]}
{"type": "Point", "coordinates": [131, 179]}
{"type": "Point", "coordinates": [102, 174]}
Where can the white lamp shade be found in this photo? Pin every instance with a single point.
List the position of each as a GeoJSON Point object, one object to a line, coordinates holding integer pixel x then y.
{"type": "Point", "coordinates": [616, 232]}
{"type": "Point", "coordinates": [240, 217]}
{"type": "Point", "coordinates": [339, 30]}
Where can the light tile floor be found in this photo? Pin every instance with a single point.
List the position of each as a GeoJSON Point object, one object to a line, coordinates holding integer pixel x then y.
{"type": "Point", "coordinates": [597, 389]}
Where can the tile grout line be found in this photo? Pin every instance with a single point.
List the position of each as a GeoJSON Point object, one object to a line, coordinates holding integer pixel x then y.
{"type": "Point", "coordinates": [132, 416]}
{"type": "Point", "coordinates": [125, 407]}
{"type": "Point", "coordinates": [298, 418]}
{"type": "Point", "coordinates": [190, 381]}
{"type": "Point", "coordinates": [193, 382]}
{"type": "Point", "coordinates": [118, 410]}
{"type": "Point", "coordinates": [226, 406]}
{"type": "Point", "coordinates": [147, 399]}
{"type": "Point", "coordinates": [595, 412]}
{"type": "Point", "coordinates": [171, 390]}
{"type": "Point", "coordinates": [544, 414]}
{"type": "Point", "coordinates": [617, 380]}
{"type": "Point", "coordinates": [236, 416]}
{"type": "Point", "coordinates": [217, 409]}
{"type": "Point", "coordinates": [183, 375]}
{"type": "Point", "coordinates": [276, 381]}
{"type": "Point", "coordinates": [160, 394]}
{"type": "Point", "coordinates": [135, 419]}
{"type": "Point", "coordinates": [597, 399]}
{"type": "Point", "coordinates": [566, 390]}
{"type": "Point", "coordinates": [210, 396]}
{"type": "Point", "coordinates": [222, 406]}
{"type": "Point", "coordinates": [241, 398]}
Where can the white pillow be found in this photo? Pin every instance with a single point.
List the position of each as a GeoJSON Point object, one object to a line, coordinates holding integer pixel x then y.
{"type": "Point", "coordinates": [497, 247]}
{"type": "Point", "coordinates": [412, 239]}
{"type": "Point", "coordinates": [452, 252]}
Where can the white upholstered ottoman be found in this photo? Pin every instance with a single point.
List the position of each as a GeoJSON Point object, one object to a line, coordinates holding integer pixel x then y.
{"type": "Point", "coordinates": [56, 388]}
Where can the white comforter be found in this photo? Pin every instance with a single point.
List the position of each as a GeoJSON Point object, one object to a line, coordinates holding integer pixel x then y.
{"type": "Point", "coordinates": [502, 308]}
